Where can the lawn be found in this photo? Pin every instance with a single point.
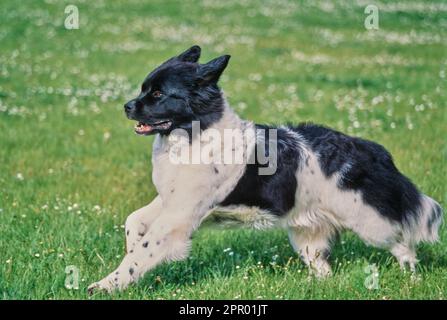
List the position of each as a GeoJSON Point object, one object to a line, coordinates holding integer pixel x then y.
{"type": "Point", "coordinates": [71, 169]}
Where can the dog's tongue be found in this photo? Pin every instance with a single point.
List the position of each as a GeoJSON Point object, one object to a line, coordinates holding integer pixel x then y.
{"type": "Point", "coordinates": [143, 128]}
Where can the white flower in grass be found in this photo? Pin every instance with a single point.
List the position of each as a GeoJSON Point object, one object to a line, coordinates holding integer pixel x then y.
{"type": "Point", "coordinates": [37, 255]}
{"type": "Point", "coordinates": [107, 135]}
{"type": "Point", "coordinates": [255, 77]}
{"type": "Point", "coordinates": [19, 176]}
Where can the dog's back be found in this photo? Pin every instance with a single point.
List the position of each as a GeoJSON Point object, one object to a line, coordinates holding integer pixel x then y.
{"type": "Point", "coordinates": [365, 171]}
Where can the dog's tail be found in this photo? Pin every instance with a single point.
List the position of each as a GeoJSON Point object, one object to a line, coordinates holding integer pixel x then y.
{"type": "Point", "coordinates": [428, 221]}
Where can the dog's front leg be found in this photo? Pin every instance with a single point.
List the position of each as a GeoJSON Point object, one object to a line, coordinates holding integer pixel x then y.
{"type": "Point", "coordinates": [139, 222]}
{"type": "Point", "coordinates": [168, 238]}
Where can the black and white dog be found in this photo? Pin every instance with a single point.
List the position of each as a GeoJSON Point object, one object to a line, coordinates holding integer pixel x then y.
{"type": "Point", "coordinates": [322, 181]}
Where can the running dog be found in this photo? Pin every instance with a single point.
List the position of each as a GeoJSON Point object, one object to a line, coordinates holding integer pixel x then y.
{"type": "Point", "coordinates": [322, 181]}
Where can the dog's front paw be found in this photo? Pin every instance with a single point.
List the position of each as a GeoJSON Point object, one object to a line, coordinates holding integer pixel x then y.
{"type": "Point", "coordinates": [320, 270]}
{"type": "Point", "coordinates": [115, 281]}
{"type": "Point", "coordinates": [100, 286]}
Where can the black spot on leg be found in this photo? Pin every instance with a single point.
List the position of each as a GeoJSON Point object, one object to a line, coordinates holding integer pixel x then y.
{"type": "Point", "coordinates": [131, 271]}
{"type": "Point", "coordinates": [215, 170]}
{"type": "Point", "coordinates": [140, 234]}
{"type": "Point", "coordinates": [150, 255]}
{"type": "Point", "coordinates": [319, 200]}
{"type": "Point", "coordinates": [325, 254]}
{"type": "Point", "coordinates": [312, 172]}
{"type": "Point", "coordinates": [131, 251]}
{"type": "Point", "coordinates": [117, 273]}
{"type": "Point", "coordinates": [172, 190]}
{"type": "Point", "coordinates": [116, 279]}
{"type": "Point", "coordinates": [158, 242]}
{"type": "Point", "coordinates": [355, 199]}
{"type": "Point", "coordinates": [307, 161]}
{"type": "Point", "coordinates": [145, 244]}
{"type": "Point", "coordinates": [127, 232]}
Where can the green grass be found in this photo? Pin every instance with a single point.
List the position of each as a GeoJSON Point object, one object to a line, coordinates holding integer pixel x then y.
{"type": "Point", "coordinates": [71, 169]}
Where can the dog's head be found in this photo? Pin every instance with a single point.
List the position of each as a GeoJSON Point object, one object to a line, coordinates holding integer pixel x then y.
{"type": "Point", "coordinates": [178, 92]}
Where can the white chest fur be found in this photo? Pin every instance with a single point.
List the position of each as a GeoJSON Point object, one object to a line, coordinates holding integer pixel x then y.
{"type": "Point", "coordinates": [202, 185]}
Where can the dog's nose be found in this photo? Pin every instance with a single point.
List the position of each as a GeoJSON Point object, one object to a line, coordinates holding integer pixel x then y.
{"type": "Point", "coordinates": [129, 106]}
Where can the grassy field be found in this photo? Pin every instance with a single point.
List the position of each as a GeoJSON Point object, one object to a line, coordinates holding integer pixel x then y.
{"type": "Point", "coordinates": [71, 169]}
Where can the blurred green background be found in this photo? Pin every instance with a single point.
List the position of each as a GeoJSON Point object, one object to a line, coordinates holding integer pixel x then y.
{"type": "Point", "coordinates": [71, 169]}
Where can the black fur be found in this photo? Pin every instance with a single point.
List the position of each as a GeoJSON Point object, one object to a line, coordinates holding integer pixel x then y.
{"type": "Point", "coordinates": [189, 92]}
{"type": "Point", "coordinates": [367, 168]}
{"type": "Point", "coordinates": [275, 193]}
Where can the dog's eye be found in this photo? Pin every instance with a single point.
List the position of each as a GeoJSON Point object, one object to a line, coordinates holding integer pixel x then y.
{"type": "Point", "coordinates": [157, 94]}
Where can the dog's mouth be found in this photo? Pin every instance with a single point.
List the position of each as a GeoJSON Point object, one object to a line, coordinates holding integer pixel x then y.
{"type": "Point", "coordinates": [148, 128]}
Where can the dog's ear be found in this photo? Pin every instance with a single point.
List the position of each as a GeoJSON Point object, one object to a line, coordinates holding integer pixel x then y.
{"type": "Point", "coordinates": [211, 71]}
{"type": "Point", "coordinates": [190, 55]}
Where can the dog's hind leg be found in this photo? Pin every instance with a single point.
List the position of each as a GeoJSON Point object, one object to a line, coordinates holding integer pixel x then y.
{"type": "Point", "coordinates": [313, 245]}
{"type": "Point", "coordinates": [138, 222]}
{"type": "Point", "coordinates": [405, 254]}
